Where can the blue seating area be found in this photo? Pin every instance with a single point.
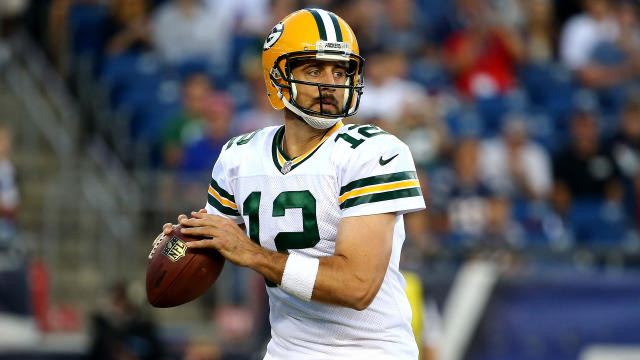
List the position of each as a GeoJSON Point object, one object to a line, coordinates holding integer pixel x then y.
{"type": "Point", "coordinates": [599, 223]}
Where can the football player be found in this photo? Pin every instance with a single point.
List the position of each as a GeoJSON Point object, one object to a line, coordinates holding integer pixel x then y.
{"type": "Point", "coordinates": [322, 203]}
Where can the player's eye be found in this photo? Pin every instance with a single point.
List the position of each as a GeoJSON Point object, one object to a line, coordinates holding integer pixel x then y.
{"type": "Point", "coordinates": [314, 72]}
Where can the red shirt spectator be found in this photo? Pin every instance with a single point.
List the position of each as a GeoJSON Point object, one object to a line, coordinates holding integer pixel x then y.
{"type": "Point", "coordinates": [481, 62]}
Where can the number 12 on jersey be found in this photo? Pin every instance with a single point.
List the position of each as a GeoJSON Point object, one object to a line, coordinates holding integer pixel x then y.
{"type": "Point", "coordinates": [307, 238]}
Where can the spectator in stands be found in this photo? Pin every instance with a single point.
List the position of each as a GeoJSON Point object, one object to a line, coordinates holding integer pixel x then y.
{"type": "Point", "coordinates": [422, 128]}
{"type": "Point", "coordinates": [248, 17]}
{"type": "Point", "coordinates": [625, 147]}
{"type": "Point", "coordinates": [188, 29]}
{"type": "Point", "coordinates": [501, 229]}
{"type": "Point", "coordinates": [539, 32]}
{"type": "Point", "coordinates": [510, 12]}
{"type": "Point", "coordinates": [388, 92]}
{"type": "Point", "coordinates": [122, 331]}
{"type": "Point", "coordinates": [584, 31]}
{"type": "Point", "coordinates": [186, 127]}
{"type": "Point", "coordinates": [592, 44]}
{"type": "Point", "coordinates": [128, 27]}
{"type": "Point", "coordinates": [461, 193]}
{"type": "Point", "coordinates": [482, 56]}
{"type": "Point", "coordinates": [199, 156]}
{"type": "Point", "coordinates": [400, 27]}
{"type": "Point", "coordinates": [361, 14]}
{"type": "Point", "coordinates": [260, 114]}
{"type": "Point", "coordinates": [584, 168]}
{"type": "Point", "coordinates": [513, 165]}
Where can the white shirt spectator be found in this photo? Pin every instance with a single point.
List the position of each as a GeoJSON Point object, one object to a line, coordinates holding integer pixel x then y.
{"type": "Point", "coordinates": [532, 160]}
{"type": "Point", "coordinates": [387, 101]}
{"type": "Point", "coordinates": [182, 32]}
{"type": "Point", "coordinates": [580, 36]}
{"type": "Point", "coordinates": [248, 16]}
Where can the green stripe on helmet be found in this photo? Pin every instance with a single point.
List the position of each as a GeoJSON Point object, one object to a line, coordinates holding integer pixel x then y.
{"type": "Point", "coordinates": [336, 25]}
{"type": "Point", "coordinates": [320, 23]}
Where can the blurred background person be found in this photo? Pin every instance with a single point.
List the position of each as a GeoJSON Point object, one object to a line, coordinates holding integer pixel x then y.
{"type": "Point", "coordinates": [482, 55]}
{"type": "Point", "coordinates": [513, 165]}
{"type": "Point", "coordinates": [540, 33]}
{"type": "Point", "coordinates": [122, 331]}
{"type": "Point", "coordinates": [625, 148]}
{"type": "Point", "coordinates": [186, 126]}
{"type": "Point", "coordinates": [187, 29]}
{"type": "Point", "coordinates": [129, 27]}
{"type": "Point", "coordinates": [600, 45]}
{"type": "Point", "coordinates": [584, 168]}
{"type": "Point", "coordinates": [199, 155]}
{"type": "Point", "coordinates": [259, 113]}
{"type": "Point", "coordinates": [462, 193]}
{"type": "Point", "coordinates": [389, 92]}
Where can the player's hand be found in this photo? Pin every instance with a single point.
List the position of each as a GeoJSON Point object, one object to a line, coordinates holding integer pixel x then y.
{"type": "Point", "coordinates": [168, 227]}
{"type": "Point", "coordinates": [221, 234]}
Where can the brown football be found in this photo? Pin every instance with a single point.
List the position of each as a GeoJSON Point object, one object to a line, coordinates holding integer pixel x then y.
{"type": "Point", "coordinates": [176, 274]}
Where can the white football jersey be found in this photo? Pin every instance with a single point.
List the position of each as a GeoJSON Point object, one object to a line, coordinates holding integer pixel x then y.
{"type": "Point", "coordinates": [295, 205]}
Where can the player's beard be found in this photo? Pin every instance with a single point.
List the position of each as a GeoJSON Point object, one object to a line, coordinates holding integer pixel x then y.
{"type": "Point", "coordinates": [330, 105]}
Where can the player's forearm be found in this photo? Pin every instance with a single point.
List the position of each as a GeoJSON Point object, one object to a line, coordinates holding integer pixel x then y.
{"type": "Point", "coordinates": [270, 264]}
{"type": "Point", "coordinates": [337, 282]}
{"type": "Point", "coordinates": [340, 283]}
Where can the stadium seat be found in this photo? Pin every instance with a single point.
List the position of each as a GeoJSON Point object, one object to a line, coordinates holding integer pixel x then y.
{"type": "Point", "coordinates": [463, 122]}
{"type": "Point", "coordinates": [116, 69]}
{"type": "Point", "coordinates": [429, 74]}
{"type": "Point", "coordinates": [493, 109]}
{"type": "Point", "coordinates": [550, 86]}
{"type": "Point", "coordinates": [597, 222]}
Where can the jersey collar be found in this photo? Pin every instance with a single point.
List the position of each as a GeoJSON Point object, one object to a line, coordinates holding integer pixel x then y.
{"type": "Point", "coordinates": [282, 162]}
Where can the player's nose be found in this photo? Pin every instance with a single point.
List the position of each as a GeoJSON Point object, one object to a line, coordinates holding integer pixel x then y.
{"type": "Point", "coordinates": [327, 76]}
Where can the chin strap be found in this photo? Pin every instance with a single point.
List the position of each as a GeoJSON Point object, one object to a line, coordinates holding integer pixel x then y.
{"type": "Point", "coordinates": [313, 121]}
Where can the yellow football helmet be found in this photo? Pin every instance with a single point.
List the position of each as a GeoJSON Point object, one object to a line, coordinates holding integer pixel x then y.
{"type": "Point", "coordinates": [311, 34]}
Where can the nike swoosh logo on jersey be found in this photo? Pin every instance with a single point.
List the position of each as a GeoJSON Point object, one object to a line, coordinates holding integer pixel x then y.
{"type": "Point", "coordinates": [385, 162]}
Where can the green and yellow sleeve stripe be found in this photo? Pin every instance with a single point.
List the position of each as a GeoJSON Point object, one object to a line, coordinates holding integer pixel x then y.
{"type": "Point", "coordinates": [222, 200]}
{"type": "Point", "coordinates": [379, 188]}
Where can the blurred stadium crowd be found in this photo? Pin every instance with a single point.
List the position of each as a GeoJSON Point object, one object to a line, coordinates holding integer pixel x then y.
{"type": "Point", "coordinates": [523, 116]}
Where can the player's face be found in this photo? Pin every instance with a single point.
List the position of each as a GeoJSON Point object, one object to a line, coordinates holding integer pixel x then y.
{"type": "Point", "coordinates": [322, 72]}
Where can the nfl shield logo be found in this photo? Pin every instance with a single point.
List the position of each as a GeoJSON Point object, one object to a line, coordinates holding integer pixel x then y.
{"type": "Point", "coordinates": [175, 249]}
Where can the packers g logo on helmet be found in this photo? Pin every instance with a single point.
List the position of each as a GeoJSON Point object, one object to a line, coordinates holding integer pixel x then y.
{"type": "Point", "coordinates": [311, 34]}
{"type": "Point", "coordinates": [275, 34]}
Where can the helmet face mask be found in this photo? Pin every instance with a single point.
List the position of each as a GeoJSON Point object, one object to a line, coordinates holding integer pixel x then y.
{"type": "Point", "coordinates": [293, 41]}
{"type": "Point", "coordinates": [282, 71]}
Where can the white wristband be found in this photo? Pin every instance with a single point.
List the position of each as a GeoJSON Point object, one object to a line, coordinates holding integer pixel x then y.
{"type": "Point", "coordinates": [299, 275]}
